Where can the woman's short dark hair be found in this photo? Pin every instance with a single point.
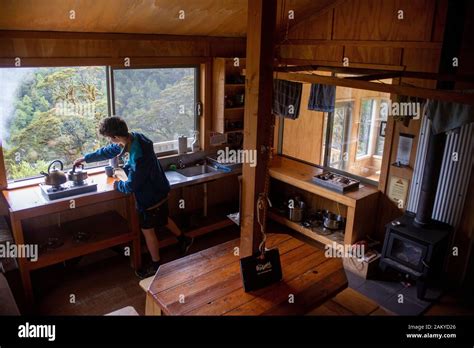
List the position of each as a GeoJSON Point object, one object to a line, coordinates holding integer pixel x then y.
{"type": "Point", "coordinates": [113, 126]}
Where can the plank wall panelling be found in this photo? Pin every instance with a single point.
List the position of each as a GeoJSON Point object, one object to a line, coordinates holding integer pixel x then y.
{"type": "Point", "coordinates": [378, 20]}
{"type": "Point", "coordinates": [302, 137]}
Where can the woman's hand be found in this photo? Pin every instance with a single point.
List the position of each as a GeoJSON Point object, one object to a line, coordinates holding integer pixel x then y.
{"type": "Point", "coordinates": [78, 161]}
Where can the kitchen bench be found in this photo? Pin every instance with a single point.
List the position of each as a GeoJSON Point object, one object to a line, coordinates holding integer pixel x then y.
{"type": "Point", "coordinates": [360, 206]}
{"type": "Point", "coordinates": [106, 229]}
{"type": "Point", "coordinates": [209, 282]}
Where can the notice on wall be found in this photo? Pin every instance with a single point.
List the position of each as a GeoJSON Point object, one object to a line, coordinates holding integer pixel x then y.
{"type": "Point", "coordinates": [405, 143]}
{"type": "Point", "coordinates": [398, 191]}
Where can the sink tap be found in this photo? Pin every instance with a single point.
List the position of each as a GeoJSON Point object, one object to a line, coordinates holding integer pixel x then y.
{"type": "Point", "coordinates": [181, 163]}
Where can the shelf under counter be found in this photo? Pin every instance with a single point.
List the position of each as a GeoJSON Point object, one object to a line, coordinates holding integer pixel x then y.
{"type": "Point", "coordinates": [300, 175]}
{"type": "Point", "coordinates": [332, 239]}
{"type": "Point", "coordinates": [360, 205]}
{"type": "Point", "coordinates": [105, 230]}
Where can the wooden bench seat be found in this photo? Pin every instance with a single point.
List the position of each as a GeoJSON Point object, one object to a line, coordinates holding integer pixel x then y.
{"type": "Point", "coordinates": [209, 282]}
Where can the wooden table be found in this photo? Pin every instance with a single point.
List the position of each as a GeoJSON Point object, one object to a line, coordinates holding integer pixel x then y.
{"type": "Point", "coordinates": [106, 230]}
{"type": "Point", "coordinates": [209, 282]}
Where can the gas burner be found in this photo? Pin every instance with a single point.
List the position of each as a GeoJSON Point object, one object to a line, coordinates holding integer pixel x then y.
{"type": "Point", "coordinates": [56, 188]}
{"type": "Point", "coordinates": [68, 189]}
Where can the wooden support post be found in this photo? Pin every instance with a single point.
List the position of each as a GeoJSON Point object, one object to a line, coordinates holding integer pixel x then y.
{"type": "Point", "coordinates": [3, 171]}
{"type": "Point", "coordinates": [258, 117]}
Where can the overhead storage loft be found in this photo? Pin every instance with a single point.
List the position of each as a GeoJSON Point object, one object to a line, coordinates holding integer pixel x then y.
{"type": "Point", "coordinates": [364, 79]}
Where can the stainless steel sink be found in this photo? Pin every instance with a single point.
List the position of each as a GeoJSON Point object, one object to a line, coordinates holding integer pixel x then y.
{"type": "Point", "coordinates": [173, 176]}
{"type": "Point", "coordinates": [196, 170]}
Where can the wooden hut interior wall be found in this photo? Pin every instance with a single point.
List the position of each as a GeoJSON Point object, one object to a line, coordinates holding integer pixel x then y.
{"type": "Point", "coordinates": [341, 147]}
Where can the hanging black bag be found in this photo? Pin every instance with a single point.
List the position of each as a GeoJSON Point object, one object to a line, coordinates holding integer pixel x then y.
{"type": "Point", "coordinates": [262, 268]}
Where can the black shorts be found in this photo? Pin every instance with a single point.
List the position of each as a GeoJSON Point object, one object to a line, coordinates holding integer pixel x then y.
{"type": "Point", "coordinates": [154, 218]}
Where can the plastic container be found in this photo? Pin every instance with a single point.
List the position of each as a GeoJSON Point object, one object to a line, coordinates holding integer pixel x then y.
{"type": "Point", "coordinates": [196, 145]}
{"type": "Point", "coordinates": [182, 144]}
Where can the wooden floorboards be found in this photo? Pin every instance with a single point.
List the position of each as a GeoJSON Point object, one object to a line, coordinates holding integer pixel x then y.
{"type": "Point", "coordinates": [350, 302]}
{"type": "Point", "coordinates": [105, 282]}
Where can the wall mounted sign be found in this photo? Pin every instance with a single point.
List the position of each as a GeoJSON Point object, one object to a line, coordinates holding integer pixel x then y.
{"type": "Point", "coordinates": [383, 126]}
{"type": "Point", "coordinates": [405, 143]}
{"type": "Point", "coordinates": [398, 191]}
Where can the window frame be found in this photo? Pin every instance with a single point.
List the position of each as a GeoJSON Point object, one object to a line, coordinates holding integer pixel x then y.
{"type": "Point", "coordinates": [109, 68]}
{"type": "Point", "coordinates": [377, 133]}
{"type": "Point", "coordinates": [370, 143]}
{"type": "Point", "coordinates": [197, 93]}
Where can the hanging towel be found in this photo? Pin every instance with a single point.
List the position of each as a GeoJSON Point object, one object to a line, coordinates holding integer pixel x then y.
{"type": "Point", "coordinates": [446, 116]}
{"type": "Point", "coordinates": [286, 98]}
{"type": "Point", "coordinates": [322, 98]}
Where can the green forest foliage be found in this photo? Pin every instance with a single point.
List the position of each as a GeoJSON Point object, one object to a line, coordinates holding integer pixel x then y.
{"type": "Point", "coordinates": [57, 112]}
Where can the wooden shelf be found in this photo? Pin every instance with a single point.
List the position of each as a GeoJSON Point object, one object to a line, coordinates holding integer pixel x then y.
{"type": "Point", "coordinates": [241, 108]}
{"type": "Point", "coordinates": [234, 131]}
{"type": "Point", "coordinates": [361, 204]}
{"type": "Point", "coordinates": [326, 240]}
{"type": "Point", "coordinates": [221, 86]}
{"type": "Point", "coordinates": [300, 175]}
{"type": "Point", "coordinates": [105, 230]}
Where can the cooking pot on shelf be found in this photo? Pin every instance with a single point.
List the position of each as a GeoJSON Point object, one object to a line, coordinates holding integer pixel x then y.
{"type": "Point", "coordinates": [296, 211]}
{"type": "Point", "coordinates": [77, 176]}
{"type": "Point", "coordinates": [333, 221]}
{"type": "Point", "coordinates": [55, 177]}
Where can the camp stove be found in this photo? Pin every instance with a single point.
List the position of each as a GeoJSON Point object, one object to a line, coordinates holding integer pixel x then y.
{"type": "Point", "coordinates": [68, 189]}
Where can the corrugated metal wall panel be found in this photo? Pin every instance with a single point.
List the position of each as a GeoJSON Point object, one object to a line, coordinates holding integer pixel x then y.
{"type": "Point", "coordinates": [452, 186]}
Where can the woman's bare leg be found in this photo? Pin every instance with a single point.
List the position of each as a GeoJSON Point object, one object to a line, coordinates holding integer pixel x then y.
{"type": "Point", "coordinates": [152, 243]}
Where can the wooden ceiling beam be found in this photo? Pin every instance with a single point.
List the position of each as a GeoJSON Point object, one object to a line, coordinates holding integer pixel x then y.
{"type": "Point", "coordinates": [376, 74]}
{"type": "Point", "coordinates": [381, 76]}
{"type": "Point", "coordinates": [426, 93]}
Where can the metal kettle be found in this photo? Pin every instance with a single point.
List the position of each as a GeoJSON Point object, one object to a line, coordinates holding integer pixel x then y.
{"type": "Point", "coordinates": [55, 177]}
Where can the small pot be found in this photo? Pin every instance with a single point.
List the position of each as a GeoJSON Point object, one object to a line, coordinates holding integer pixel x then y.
{"type": "Point", "coordinates": [333, 221]}
{"type": "Point", "coordinates": [295, 214]}
{"type": "Point", "coordinates": [77, 176]}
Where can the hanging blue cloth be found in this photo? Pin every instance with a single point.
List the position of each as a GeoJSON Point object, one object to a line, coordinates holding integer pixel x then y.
{"type": "Point", "coordinates": [322, 98]}
{"type": "Point", "coordinates": [287, 98]}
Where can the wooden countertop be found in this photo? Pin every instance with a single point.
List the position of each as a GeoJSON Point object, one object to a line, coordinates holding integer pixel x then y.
{"type": "Point", "coordinates": [22, 200]}
{"type": "Point", "coordinates": [26, 199]}
{"type": "Point", "coordinates": [209, 282]}
{"type": "Point", "coordinates": [300, 175]}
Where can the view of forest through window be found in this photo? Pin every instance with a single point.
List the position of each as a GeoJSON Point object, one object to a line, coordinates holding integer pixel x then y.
{"type": "Point", "coordinates": [54, 113]}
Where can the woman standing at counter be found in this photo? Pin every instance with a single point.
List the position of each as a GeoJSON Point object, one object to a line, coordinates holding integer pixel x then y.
{"type": "Point", "coordinates": [146, 179]}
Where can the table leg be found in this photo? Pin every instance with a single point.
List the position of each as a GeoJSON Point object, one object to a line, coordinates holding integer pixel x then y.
{"type": "Point", "coordinates": [17, 230]}
{"type": "Point", "coordinates": [134, 227]}
{"type": "Point", "coordinates": [151, 307]}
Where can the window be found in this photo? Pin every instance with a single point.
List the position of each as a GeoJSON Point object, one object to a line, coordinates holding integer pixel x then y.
{"type": "Point", "coordinates": [157, 102]}
{"type": "Point", "coordinates": [340, 135]}
{"type": "Point", "coordinates": [365, 126]}
{"type": "Point", "coordinates": [381, 123]}
{"type": "Point", "coordinates": [353, 137]}
{"type": "Point", "coordinates": [54, 113]}
{"type": "Point", "coordinates": [50, 113]}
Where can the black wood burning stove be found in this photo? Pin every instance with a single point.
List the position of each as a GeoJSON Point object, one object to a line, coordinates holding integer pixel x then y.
{"type": "Point", "coordinates": [417, 251]}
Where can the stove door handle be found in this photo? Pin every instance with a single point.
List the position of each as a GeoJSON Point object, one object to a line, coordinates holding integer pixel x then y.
{"type": "Point", "coordinates": [425, 264]}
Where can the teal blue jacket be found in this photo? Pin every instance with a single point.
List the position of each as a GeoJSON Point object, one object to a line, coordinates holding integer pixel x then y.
{"type": "Point", "coordinates": [146, 178]}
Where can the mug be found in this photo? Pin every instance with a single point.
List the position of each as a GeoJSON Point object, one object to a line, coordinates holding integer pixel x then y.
{"type": "Point", "coordinates": [109, 171]}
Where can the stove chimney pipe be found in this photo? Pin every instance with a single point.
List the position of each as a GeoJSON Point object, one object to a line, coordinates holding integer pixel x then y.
{"type": "Point", "coordinates": [452, 41]}
{"type": "Point", "coordinates": [429, 184]}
